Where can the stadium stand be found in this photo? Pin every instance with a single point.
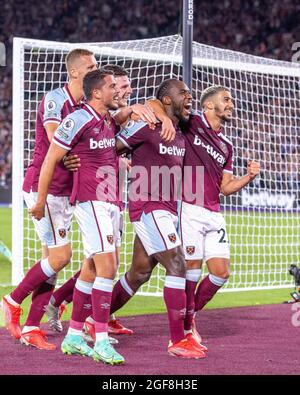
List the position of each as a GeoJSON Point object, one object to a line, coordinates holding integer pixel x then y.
{"type": "Point", "coordinates": [263, 28]}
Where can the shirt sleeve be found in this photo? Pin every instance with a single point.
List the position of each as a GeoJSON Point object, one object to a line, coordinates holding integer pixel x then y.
{"type": "Point", "coordinates": [69, 131]}
{"type": "Point", "coordinates": [133, 134]}
{"type": "Point", "coordinates": [53, 105]}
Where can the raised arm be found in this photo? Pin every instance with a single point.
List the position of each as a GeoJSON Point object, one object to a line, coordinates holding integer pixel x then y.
{"type": "Point", "coordinates": [231, 184]}
{"type": "Point", "coordinates": [54, 155]}
{"type": "Point", "coordinates": [168, 132]}
{"type": "Point", "coordinates": [139, 111]}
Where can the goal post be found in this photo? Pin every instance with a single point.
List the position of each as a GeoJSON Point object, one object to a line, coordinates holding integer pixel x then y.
{"type": "Point", "coordinates": [263, 220]}
{"type": "Point", "coordinates": [18, 162]}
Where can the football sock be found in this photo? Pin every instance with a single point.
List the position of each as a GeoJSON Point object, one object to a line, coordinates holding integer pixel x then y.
{"type": "Point", "coordinates": [39, 273]}
{"type": "Point", "coordinates": [101, 301]}
{"type": "Point", "coordinates": [40, 299]}
{"type": "Point", "coordinates": [192, 278]}
{"type": "Point", "coordinates": [207, 289]}
{"type": "Point", "coordinates": [65, 292]}
{"type": "Point", "coordinates": [175, 300]}
{"type": "Point", "coordinates": [81, 304]}
{"type": "Point", "coordinates": [122, 292]}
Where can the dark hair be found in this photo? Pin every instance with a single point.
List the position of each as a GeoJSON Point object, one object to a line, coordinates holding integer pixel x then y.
{"type": "Point", "coordinates": [211, 91]}
{"type": "Point", "coordinates": [116, 69]}
{"type": "Point", "coordinates": [94, 79]}
{"type": "Point", "coordinates": [164, 88]}
{"type": "Point", "coordinates": [77, 53]}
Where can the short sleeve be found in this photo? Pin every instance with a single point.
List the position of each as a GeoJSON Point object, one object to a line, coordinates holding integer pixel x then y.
{"type": "Point", "coordinates": [133, 134]}
{"type": "Point", "coordinates": [53, 105]}
{"type": "Point", "coordinates": [67, 134]}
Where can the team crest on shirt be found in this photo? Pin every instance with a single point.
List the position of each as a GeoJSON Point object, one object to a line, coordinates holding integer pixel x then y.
{"type": "Point", "coordinates": [51, 105]}
{"type": "Point", "coordinates": [62, 233]}
{"type": "Point", "coordinates": [68, 124]}
{"type": "Point", "coordinates": [223, 147]}
{"type": "Point", "coordinates": [172, 237]}
{"type": "Point", "coordinates": [110, 239]}
{"type": "Point", "coordinates": [190, 250]}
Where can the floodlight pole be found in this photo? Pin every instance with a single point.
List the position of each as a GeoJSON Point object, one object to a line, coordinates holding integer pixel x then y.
{"type": "Point", "coordinates": [187, 35]}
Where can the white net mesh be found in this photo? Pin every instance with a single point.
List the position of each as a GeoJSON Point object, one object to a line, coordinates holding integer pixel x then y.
{"type": "Point", "coordinates": [262, 221]}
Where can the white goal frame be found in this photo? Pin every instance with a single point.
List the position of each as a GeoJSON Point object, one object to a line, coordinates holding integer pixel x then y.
{"type": "Point", "coordinates": [165, 50]}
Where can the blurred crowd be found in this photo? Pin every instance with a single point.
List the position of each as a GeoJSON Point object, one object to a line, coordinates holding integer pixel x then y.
{"type": "Point", "coordinates": [261, 27]}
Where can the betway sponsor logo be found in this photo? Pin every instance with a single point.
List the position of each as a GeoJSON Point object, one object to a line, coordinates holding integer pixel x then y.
{"type": "Point", "coordinates": [171, 150]}
{"type": "Point", "coordinates": [218, 157]}
{"type": "Point", "coordinates": [268, 199]}
{"type": "Point", "coordinates": [104, 143]}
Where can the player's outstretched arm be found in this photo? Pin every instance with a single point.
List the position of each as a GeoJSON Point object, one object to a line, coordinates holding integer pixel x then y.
{"type": "Point", "coordinates": [136, 111]}
{"type": "Point", "coordinates": [54, 155]}
{"type": "Point", "coordinates": [231, 184]}
{"type": "Point", "coordinates": [168, 132]}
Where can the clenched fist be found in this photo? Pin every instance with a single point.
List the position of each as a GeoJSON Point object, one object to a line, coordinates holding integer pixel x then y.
{"type": "Point", "coordinates": [253, 169]}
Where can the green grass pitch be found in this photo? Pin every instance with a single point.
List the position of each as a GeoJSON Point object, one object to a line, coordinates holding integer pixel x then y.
{"type": "Point", "coordinates": [278, 235]}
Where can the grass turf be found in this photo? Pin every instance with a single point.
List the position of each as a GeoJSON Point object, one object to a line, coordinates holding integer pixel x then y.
{"type": "Point", "coordinates": [275, 233]}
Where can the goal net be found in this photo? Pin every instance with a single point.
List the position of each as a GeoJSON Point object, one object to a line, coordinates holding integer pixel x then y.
{"type": "Point", "coordinates": [263, 220]}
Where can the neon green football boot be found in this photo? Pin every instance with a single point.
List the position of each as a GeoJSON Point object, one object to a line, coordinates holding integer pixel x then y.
{"type": "Point", "coordinates": [76, 345]}
{"type": "Point", "coordinates": [104, 351]}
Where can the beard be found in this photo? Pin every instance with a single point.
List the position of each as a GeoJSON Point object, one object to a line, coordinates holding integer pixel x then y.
{"type": "Point", "coordinates": [221, 115]}
{"type": "Point", "coordinates": [225, 118]}
{"type": "Point", "coordinates": [178, 112]}
{"type": "Point", "coordinates": [113, 106]}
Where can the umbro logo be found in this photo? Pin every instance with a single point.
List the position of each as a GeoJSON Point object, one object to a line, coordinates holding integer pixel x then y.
{"type": "Point", "coordinates": [182, 312]}
{"type": "Point", "coordinates": [105, 306]}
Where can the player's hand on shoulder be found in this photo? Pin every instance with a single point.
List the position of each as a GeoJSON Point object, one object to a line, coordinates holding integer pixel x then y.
{"type": "Point", "coordinates": [168, 131]}
{"type": "Point", "coordinates": [71, 162]}
{"type": "Point", "coordinates": [145, 113]}
{"type": "Point", "coordinates": [253, 169]}
{"type": "Point", "coordinates": [37, 211]}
